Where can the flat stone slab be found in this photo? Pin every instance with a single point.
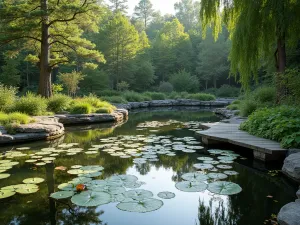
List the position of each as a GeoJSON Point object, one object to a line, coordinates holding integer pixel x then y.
{"type": "Point", "coordinates": [230, 133]}
{"type": "Point", "coordinates": [289, 214]}
{"type": "Point", "coordinates": [291, 166]}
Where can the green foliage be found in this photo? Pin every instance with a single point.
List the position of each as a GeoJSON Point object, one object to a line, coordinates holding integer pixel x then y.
{"type": "Point", "coordinates": [291, 81]}
{"type": "Point", "coordinates": [81, 108]}
{"type": "Point", "coordinates": [14, 118]}
{"type": "Point", "coordinates": [7, 97]}
{"type": "Point", "coordinates": [95, 80]}
{"type": "Point", "coordinates": [233, 107]}
{"type": "Point", "coordinates": [165, 87]}
{"type": "Point", "coordinates": [10, 73]}
{"type": "Point", "coordinates": [280, 124]}
{"type": "Point", "coordinates": [227, 91]}
{"type": "Point", "coordinates": [58, 103]}
{"type": "Point", "coordinates": [265, 95]}
{"type": "Point", "coordinates": [57, 88]}
{"type": "Point", "coordinates": [109, 93]}
{"type": "Point", "coordinates": [144, 11]}
{"type": "Point", "coordinates": [31, 104]}
{"type": "Point", "coordinates": [248, 106]}
{"type": "Point", "coordinates": [236, 102]}
{"type": "Point", "coordinates": [71, 81]}
{"type": "Point", "coordinates": [131, 96]}
{"type": "Point", "coordinates": [155, 95]}
{"type": "Point", "coordinates": [184, 81]}
{"type": "Point", "coordinates": [202, 97]}
{"type": "Point", "coordinates": [114, 99]}
{"type": "Point", "coordinates": [122, 86]}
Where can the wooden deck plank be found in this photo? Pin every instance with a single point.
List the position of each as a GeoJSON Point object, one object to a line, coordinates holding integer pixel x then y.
{"type": "Point", "coordinates": [230, 133]}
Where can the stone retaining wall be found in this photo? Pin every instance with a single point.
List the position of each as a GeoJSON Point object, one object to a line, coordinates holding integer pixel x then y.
{"type": "Point", "coordinates": [177, 102]}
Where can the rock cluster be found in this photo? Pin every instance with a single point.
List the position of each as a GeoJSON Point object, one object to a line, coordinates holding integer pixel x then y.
{"type": "Point", "coordinates": [291, 166]}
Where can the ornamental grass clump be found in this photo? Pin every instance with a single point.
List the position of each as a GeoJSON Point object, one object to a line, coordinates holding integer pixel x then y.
{"type": "Point", "coordinates": [58, 103]}
{"type": "Point", "coordinates": [7, 97]}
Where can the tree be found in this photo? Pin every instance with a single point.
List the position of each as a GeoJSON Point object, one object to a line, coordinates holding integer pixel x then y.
{"type": "Point", "coordinates": [119, 6]}
{"type": "Point", "coordinates": [144, 11]}
{"type": "Point", "coordinates": [213, 59]}
{"type": "Point", "coordinates": [187, 12]}
{"type": "Point", "coordinates": [184, 81]}
{"type": "Point", "coordinates": [71, 81]}
{"type": "Point", "coordinates": [95, 80]}
{"type": "Point", "coordinates": [172, 50]}
{"type": "Point", "coordinates": [52, 30]}
{"type": "Point", "coordinates": [258, 29]}
{"type": "Point", "coordinates": [10, 75]}
{"type": "Point", "coordinates": [121, 45]}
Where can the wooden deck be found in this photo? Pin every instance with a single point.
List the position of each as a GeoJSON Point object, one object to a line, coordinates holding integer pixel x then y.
{"type": "Point", "coordinates": [263, 149]}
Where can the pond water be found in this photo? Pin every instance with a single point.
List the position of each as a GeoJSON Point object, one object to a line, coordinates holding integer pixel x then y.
{"type": "Point", "coordinates": [170, 149]}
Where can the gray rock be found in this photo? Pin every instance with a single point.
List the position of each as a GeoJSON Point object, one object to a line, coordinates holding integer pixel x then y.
{"type": "Point", "coordinates": [291, 166]}
{"type": "Point", "coordinates": [298, 194]}
{"type": "Point", "coordinates": [289, 214]}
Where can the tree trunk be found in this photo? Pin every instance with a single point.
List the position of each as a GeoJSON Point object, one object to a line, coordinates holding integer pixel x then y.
{"type": "Point", "coordinates": [215, 81]}
{"type": "Point", "coordinates": [206, 83]}
{"type": "Point", "coordinates": [45, 88]}
{"type": "Point", "coordinates": [281, 65]}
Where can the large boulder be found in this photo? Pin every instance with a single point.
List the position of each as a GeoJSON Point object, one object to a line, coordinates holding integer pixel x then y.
{"type": "Point", "coordinates": [290, 214]}
{"type": "Point", "coordinates": [291, 166]}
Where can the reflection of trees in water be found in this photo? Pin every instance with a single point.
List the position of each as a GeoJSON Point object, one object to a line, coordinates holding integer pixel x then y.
{"type": "Point", "coordinates": [143, 168]}
{"type": "Point", "coordinates": [80, 216]}
{"type": "Point", "coordinates": [216, 213]}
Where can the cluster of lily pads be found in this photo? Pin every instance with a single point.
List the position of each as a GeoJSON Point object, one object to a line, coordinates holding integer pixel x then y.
{"type": "Point", "coordinates": [112, 189]}
{"type": "Point", "coordinates": [208, 177]}
{"type": "Point", "coordinates": [5, 165]}
{"type": "Point", "coordinates": [29, 186]}
{"type": "Point", "coordinates": [157, 124]}
{"type": "Point", "coordinates": [146, 148]}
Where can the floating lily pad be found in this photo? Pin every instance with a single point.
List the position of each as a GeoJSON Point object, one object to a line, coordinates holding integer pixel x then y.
{"type": "Point", "coordinates": [76, 167]}
{"type": "Point", "coordinates": [212, 162]}
{"type": "Point", "coordinates": [75, 171]}
{"type": "Point", "coordinates": [166, 195]}
{"type": "Point", "coordinates": [27, 188]}
{"type": "Point", "coordinates": [205, 158]}
{"type": "Point", "coordinates": [133, 184]}
{"type": "Point", "coordinates": [67, 187]}
{"type": "Point", "coordinates": [4, 161]}
{"type": "Point", "coordinates": [4, 175]}
{"type": "Point", "coordinates": [202, 166]}
{"type": "Point", "coordinates": [80, 180]}
{"type": "Point", "coordinates": [94, 174]}
{"type": "Point", "coordinates": [191, 186]}
{"type": "Point", "coordinates": [34, 180]}
{"type": "Point", "coordinates": [40, 164]}
{"type": "Point", "coordinates": [62, 194]}
{"type": "Point", "coordinates": [138, 194]}
{"type": "Point", "coordinates": [116, 190]}
{"type": "Point", "coordinates": [224, 166]}
{"type": "Point", "coordinates": [231, 172]}
{"type": "Point", "coordinates": [227, 158]}
{"type": "Point", "coordinates": [226, 161]}
{"type": "Point", "coordinates": [224, 188]}
{"type": "Point", "coordinates": [217, 176]}
{"type": "Point", "coordinates": [31, 160]}
{"type": "Point", "coordinates": [194, 177]}
{"type": "Point", "coordinates": [123, 178]}
{"type": "Point", "coordinates": [9, 164]}
{"type": "Point", "coordinates": [91, 198]}
{"type": "Point", "coordinates": [142, 206]}
{"type": "Point", "coordinates": [92, 168]}
{"type": "Point", "coordinates": [6, 193]}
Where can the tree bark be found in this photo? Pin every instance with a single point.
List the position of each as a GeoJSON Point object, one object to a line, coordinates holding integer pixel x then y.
{"type": "Point", "coordinates": [281, 65]}
{"type": "Point", "coordinates": [45, 88]}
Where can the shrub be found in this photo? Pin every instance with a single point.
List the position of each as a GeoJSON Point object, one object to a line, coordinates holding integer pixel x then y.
{"type": "Point", "coordinates": [58, 103]}
{"type": "Point", "coordinates": [122, 86]}
{"type": "Point", "coordinates": [7, 97]}
{"type": "Point", "coordinates": [202, 97]}
{"type": "Point", "coordinates": [233, 107]}
{"type": "Point", "coordinates": [165, 87]}
{"type": "Point", "coordinates": [248, 106]}
{"type": "Point", "coordinates": [184, 81]}
{"type": "Point", "coordinates": [81, 108]}
{"type": "Point", "coordinates": [104, 110]}
{"type": "Point", "coordinates": [155, 95]}
{"type": "Point", "coordinates": [280, 124]}
{"type": "Point", "coordinates": [212, 91]}
{"type": "Point", "coordinates": [228, 91]}
{"type": "Point", "coordinates": [93, 100]}
{"type": "Point", "coordinates": [265, 95]}
{"type": "Point", "coordinates": [114, 99]}
{"type": "Point", "coordinates": [236, 102]}
{"type": "Point", "coordinates": [131, 96]}
{"type": "Point", "coordinates": [14, 118]}
{"type": "Point", "coordinates": [57, 88]}
{"type": "Point", "coordinates": [71, 81]}
{"type": "Point", "coordinates": [31, 104]}
{"type": "Point", "coordinates": [109, 93]}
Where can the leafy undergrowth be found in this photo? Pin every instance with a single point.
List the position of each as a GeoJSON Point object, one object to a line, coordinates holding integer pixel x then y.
{"type": "Point", "coordinates": [280, 124]}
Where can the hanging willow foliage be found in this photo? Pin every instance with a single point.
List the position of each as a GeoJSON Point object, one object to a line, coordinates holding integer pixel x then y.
{"type": "Point", "coordinates": [255, 27]}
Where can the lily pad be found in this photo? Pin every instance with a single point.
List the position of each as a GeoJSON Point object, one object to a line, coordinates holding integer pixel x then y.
{"type": "Point", "coordinates": [116, 190]}
{"type": "Point", "coordinates": [217, 176]}
{"type": "Point", "coordinates": [123, 178]}
{"type": "Point", "coordinates": [67, 187]}
{"type": "Point", "coordinates": [231, 172]}
{"type": "Point", "coordinates": [94, 174]}
{"type": "Point", "coordinates": [62, 194]}
{"type": "Point", "coordinates": [6, 193]}
{"type": "Point", "coordinates": [26, 188]}
{"type": "Point", "coordinates": [133, 184]}
{"type": "Point", "coordinates": [224, 188]}
{"type": "Point", "coordinates": [91, 198]}
{"type": "Point", "coordinates": [138, 194]}
{"type": "Point", "coordinates": [191, 186]}
{"type": "Point", "coordinates": [224, 166]}
{"type": "Point", "coordinates": [202, 166]}
{"type": "Point", "coordinates": [227, 158]}
{"type": "Point", "coordinates": [4, 175]}
{"type": "Point", "coordinates": [75, 171]}
{"type": "Point", "coordinates": [76, 167]}
{"type": "Point", "coordinates": [142, 206]}
{"type": "Point", "coordinates": [205, 158]}
{"type": "Point", "coordinates": [80, 180]}
{"type": "Point", "coordinates": [166, 195]}
{"type": "Point", "coordinates": [194, 177]}
{"type": "Point", "coordinates": [94, 168]}
{"type": "Point", "coordinates": [34, 180]}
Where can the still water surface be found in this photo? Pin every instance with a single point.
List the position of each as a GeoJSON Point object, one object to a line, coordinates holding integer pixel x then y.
{"type": "Point", "coordinates": [250, 207]}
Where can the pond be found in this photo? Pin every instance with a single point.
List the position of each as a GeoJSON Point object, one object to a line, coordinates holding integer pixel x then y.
{"type": "Point", "coordinates": [154, 151]}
